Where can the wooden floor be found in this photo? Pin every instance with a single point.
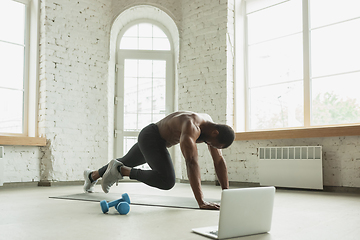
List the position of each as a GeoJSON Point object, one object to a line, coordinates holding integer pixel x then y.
{"type": "Point", "coordinates": [28, 213]}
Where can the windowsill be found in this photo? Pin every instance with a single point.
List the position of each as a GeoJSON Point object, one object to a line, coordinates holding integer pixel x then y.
{"type": "Point", "coordinates": [311, 132]}
{"type": "Point", "coordinates": [23, 141]}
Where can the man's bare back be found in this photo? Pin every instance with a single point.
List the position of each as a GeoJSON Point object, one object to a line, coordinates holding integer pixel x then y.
{"type": "Point", "coordinates": [172, 126]}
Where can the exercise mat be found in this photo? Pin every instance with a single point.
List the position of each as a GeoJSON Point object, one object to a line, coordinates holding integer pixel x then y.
{"type": "Point", "coordinates": [137, 199]}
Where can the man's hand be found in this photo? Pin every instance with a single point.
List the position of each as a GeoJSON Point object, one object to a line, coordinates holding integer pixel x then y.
{"type": "Point", "coordinates": [210, 206]}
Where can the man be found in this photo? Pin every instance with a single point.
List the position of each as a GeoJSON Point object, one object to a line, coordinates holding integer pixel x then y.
{"type": "Point", "coordinates": [186, 128]}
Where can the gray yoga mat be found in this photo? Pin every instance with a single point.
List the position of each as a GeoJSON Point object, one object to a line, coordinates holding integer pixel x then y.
{"type": "Point", "coordinates": [138, 199]}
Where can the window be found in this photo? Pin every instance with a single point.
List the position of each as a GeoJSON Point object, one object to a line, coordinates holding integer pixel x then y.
{"type": "Point", "coordinates": [145, 36]}
{"type": "Point", "coordinates": [302, 63]}
{"type": "Point", "coordinates": [13, 66]}
{"type": "Point", "coordinates": [144, 82]}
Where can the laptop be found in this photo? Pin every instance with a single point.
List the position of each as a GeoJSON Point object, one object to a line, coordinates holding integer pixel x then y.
{"type": "Point", "coordinates": [243, 211]}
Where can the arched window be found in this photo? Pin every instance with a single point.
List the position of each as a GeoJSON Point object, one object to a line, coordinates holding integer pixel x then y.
{"type": "Point", "coordinates": [144, 81]}
{"type": "Point", "coordinates": [145, 36]}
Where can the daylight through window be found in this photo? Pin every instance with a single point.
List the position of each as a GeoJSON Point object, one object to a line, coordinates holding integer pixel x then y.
{"type": "Point", "coordinates": [303, 63]}
{"type": "Point", "coordinates": [12, 66]}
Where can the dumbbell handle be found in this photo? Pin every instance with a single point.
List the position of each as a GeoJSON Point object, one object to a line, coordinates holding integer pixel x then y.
{"type": "Point", "coordinates": [125, 198]}
{"type": "Point", "coordinates": [115, 203]}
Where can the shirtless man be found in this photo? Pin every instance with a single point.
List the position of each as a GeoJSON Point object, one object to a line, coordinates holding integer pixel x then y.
{"type": "Point", "coordinates": [186, 128]}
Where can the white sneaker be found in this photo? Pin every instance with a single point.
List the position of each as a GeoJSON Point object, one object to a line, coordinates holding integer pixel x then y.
{"type": "Point", "coordinates": [88, 185]}
{"type": "Point", "coordinates": [111, 175]}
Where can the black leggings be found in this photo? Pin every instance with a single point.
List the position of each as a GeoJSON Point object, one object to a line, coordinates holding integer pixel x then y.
{"type": "Point", "coordinates": [151, 149]}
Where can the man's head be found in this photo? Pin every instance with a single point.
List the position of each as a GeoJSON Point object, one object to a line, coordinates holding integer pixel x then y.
{"type": "Point", "coordinates": [222, 136]}
{"type": "Point", "coordinates": [226, 135]}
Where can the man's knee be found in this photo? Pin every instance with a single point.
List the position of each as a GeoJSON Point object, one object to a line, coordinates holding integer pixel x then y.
{"type": "Point", "coordinates": [168, 183]}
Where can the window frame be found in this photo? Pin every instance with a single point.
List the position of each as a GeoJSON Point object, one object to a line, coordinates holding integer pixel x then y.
{"type": "Point", "coordinates": [30, 135]}
{"type": "Point", "coordinates": [241, 107]}
{"type": "Point", "coordinates": [121, 55]}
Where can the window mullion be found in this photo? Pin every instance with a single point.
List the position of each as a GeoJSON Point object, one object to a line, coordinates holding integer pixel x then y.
{"type": "Point", "coordinates": [246, 89]}
{"type": "Point", "coordinates": [306, 63]}
{"type": "Point", "coordinates": [26, 71]}
{"type": "Point", "coordinates": [152, 91]}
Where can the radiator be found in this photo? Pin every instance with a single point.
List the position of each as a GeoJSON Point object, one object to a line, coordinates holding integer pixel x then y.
{"type": "Point", "coordinates": [293, 167]}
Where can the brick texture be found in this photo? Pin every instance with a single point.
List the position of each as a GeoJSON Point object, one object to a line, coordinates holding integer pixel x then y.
{"type": "Point", "coordinates": [73, 86]}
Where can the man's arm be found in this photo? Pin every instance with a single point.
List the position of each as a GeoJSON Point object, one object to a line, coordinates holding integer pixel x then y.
{"type": "Point", "coordinates": [189, 150]}
{"type": "Point", "coordinates": [220, 167]}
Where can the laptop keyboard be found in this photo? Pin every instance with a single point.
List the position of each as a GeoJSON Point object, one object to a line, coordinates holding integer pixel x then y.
{"type": "Point", "coordinates": [214, 233]}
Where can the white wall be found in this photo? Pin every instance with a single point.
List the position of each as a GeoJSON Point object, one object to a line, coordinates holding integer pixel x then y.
{"type": "Point", "coordinates": [20, 164]}
{"type": "Point", "coordinates": [74, 54]}
{"type": "Point", "coordinates": [74, 92]}
{"type": "Point", "coordinates": [341, 159]}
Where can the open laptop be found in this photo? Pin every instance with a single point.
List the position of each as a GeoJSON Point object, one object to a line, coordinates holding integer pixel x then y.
{"type": "Point", "coordinates": [243, 211]}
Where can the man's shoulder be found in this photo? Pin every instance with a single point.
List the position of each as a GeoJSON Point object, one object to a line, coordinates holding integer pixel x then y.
{"type": "Point", "coordinates": [206, 117]}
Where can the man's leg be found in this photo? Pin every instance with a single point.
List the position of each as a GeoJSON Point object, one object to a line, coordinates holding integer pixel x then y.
{"type": "Point", "coordinates": [153, 148]}
{"type": "Point", "coordinates": [132, 159]}
{"type": "Point", "coordinates": [161, 175]}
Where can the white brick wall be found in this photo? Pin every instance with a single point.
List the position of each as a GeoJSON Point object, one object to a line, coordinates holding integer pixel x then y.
{"type": "Point", "coordinates": [203, 69]}
{"type": "Point", "coordinates": [340, 154]}
{"type": "Point", "coordinates": [21, 164]}
{"type": "Point", "coordinates": [73, 86]}
{"type": "Point", "coordinates": [203, 59]}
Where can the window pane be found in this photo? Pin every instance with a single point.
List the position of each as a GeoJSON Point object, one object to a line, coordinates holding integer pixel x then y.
{"type": "Point", "coordinates": [324, 12]}
{"type": "Point", "coordinates": [130, 122]}
{"type": "Point", "coordinates": [277, 21]}
{"type": "Point", "coordinates": [132, 32]}
{"type": "Point", "coordinates": [129, 43]}
{"type": "Point", "coordinates": [277, 106]}
{"type": "Point", "coordinates": [336, 49]}
{"type": "Point", "coordinates": [159, 96]}
{"type": "Point", "coordinates": [131, 68]}
{"type": "Point", "coordinates": [145, 68]}
{"type": "Point", "coordinates": [11, 65]}
{"type": "Point", "coordinates": [11, 117]}
{"type": "Point", "coordinates": [336, 100]}
{"type": "Point", "coordinates": [145, 36]}
{"type": "Point", "coordinates": [145, 95]}
{"type": "Point", "coordinates": [158, 33]}
{"type": "Point", "coordinates": [276, 61]}
{"type": "Point", "coordinates": [144, 120]}
{"type": "Point", "coordinates": [145, 30]}
{"type": "Point", "coordinates": [145, 43]}
{"type": "Point", "coordinates": [129, 142]}
{"type": "Point", "coordinates": [159, 69]}
{"type": "Point", "coordinates": [161, 44]}
{"type": "Point", "coordinates": [12, 21]}
{"type": "Point", "coordinates": [130, 95]}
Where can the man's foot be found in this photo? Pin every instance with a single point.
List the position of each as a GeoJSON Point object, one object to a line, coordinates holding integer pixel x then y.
{"type": "Point", "coordinates": [111, 175]}
{"type": "Point", "coordinates": [88, 185]}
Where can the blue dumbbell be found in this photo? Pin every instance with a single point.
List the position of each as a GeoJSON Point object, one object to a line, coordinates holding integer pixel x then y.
{"type": "Point", "coordinates": [105, 205]}
{"type": "Point", "coordinates": [123, 208]}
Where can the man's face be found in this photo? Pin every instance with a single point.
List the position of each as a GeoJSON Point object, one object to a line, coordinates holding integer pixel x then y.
{"type": "Point", "coordinates": [214, 143]}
